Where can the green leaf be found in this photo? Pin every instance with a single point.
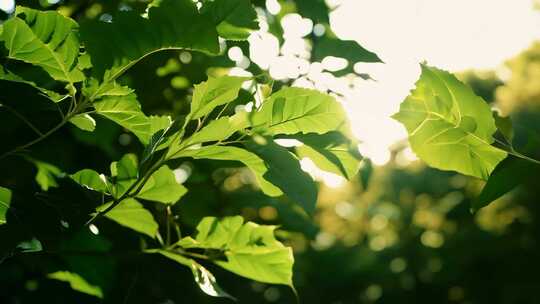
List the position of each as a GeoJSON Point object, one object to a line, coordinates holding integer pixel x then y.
{"type": "Point", "coordinates": [171, 24]}
{"type": "Point", "coordinates": [92, 180]}
{"type": "Point", "coordinates": [316, 10]}
{"type": "Point", "coordinates": [509, 173]}
{"type": "Point", "coordinates": [5, 202]}
{"type": "Point", "coordinates": [119, 104]}
{"type": "Point", "coordinates": [347, 49]}
{"type": "Point", "coordinates": [162, 187]}
{"type": "Point", "coordinates": [10, 76]}
{"type": "Point", "coordinates": [204, 278]}
{"type": "Point", "coordinates": [131, 214]}
{"type": "Point", "coordinates": [504, 125]}
{"type": "Point", "coordinates": [366, 171]}
{"type": "Point", "coordinates": [46, 174]}
{"type": "Point", "coordinates": [216, 130]}
{"type": "Point", "coordinates": [158, 123]}
{"type": "Point", "coordinates": [84, 122]}
{"type": "Point", "coordinates": [94, 90]}
{"type": "Point", "coordinates": [449, 127]}
{"type": "Point", "coordinates": [251, 250]}
{"type": "Point", "coordinates": [77, 283]}
{"type": "Point", "coordinates": [331, 152]}
{"type": "Point", "coordinates": [235, 19]}
{"type": "Point", "coordinates": [124, 173]}
{"type": "Point", "coordinates": [214, 92]}
{"type": "Point", "coordinates": [298, 110]}
{"type": "Point", "coordinates": [252, 161]}
{"type": "Point", "coordinates": [45, 39]}
{"type": "Point", "coordinates": [126, 111]}
{"type": "Point", "coordinates": [33, 245]}
{"type": "Point", "coordinates": [84, 62]}
{"type": "Point", "coordinates": [285, 172]}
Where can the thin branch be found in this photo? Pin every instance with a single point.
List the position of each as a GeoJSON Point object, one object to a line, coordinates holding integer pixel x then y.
{"type": "Point", "coordinates": [130, 192]}
{"type": "Point", "coordinates": [508, 148]}
{"type": "Point", "coordinates": [222, 110]}
{"type": "Point", "coordinates": [72, 112]}
{"type": "Point", "coordinates": [35, 141]}
{"type": "Point", "coordinates": [168, 219]}
{"type": "Point", "coordinates": [21, 117]}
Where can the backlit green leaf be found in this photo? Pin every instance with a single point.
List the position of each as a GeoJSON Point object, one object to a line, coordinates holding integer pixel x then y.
{"type": "Point", "coordinates": [251, 250]}
{"type": "Point", "coordinates": [162, 187]}
{"type": "Point", "coordinates": [5, 202]}
{"type": "Point", "coordinates": [119, 104]}
{"type": "Point", "coordinates": [284, 171]}
{"type": "Point", "coordinates": [77, 283]}
{"type": "Point", "coordinates": [131, 214]}
{"type": "Point", "coordinates": [331, 152]}
{"type": "Point", "coordinates": [217, 130]}
{"type": "Point", "coordinates": [46, 39]}
{"type": "Point", "coordinates": [84, 122]}
{"type": "Point", "coordinates": [46, 174]}
{"type": "Point", "coordinates": [92, 180]}
{"type": "Point", "coordinates": [449, 127]}
{"type": "Point", "coordinates": [170, 24]}
{"type": "Point", "coordinates": [214, 92]}
{"type": "Point", "coordinates": [252, 161]}
{"type": "Point", "coordinates": [124, 173]}
{"type": "Point", "coordinates": [235, 19]}
{"type": "Point", "coordinates": [94, 91]}
{"type": "Point", "coordinates": [126, 111]}
{"type": "Point", "coordinates": [298, 110]}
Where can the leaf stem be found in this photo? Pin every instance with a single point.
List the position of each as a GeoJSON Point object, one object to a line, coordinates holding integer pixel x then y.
{"type": "Point", "coordinates": [510, 150]}
{"type": "Point", "coordinates": [191, 254]}
{"type": "Point", "coordinates": [37, 140]}
{"type": "Point", "coordinates": [522, 156]}
{"type": "Point", "coordinates": [132, 191]}
{"type": "Point", "coordinates": [168, 218]}
{"type": "Point", "coordinates": [21, 117]}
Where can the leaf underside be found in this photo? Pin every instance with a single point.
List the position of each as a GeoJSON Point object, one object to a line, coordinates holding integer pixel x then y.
{"type": "Point", "coordinates": [449, 127]}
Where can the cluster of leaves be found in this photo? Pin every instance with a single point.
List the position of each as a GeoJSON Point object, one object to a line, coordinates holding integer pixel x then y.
{"type": "Point", "coordinates": [76, 69]}
{"type": "Point", "coordinates": [451, 128]}
{"type": "Point", "coordinates": [85, 86]}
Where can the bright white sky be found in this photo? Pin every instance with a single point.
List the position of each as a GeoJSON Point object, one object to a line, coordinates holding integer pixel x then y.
{"type": "Point", "coordinates": [450, 34]}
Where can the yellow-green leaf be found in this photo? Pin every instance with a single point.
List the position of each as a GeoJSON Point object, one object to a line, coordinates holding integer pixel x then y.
{"type": "Point", "coordinates": [298, 110]}
{"type": "Point", "coordinates": [5, 202]}
{"type": "Point", "coordinates": [214, 92]}
{"type": "Point", "coordinates": [131, 214]}
{"type": "Point", "coordinates": [46, 39]}
{"type": "Point", "coordinates": [76, 282]}
{"type": "Point", "coordinates": [162, 187]}
{"type": "Point", "coordinates": [92, 180]}
{"type": "Point", "coordinates": [84, 122]}
{"type": "Point", "coordinates": [251, 160]}
{"type": "Point", "coordinates": [449, 127]}
{"type": "Point", "coordinates": [252, 250]}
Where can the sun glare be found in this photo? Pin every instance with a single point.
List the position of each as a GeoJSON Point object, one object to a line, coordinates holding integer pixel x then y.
{"type": "Point", "coordinates": [449, 34]}
{"type": "Point", "coordinates": [7, 6]}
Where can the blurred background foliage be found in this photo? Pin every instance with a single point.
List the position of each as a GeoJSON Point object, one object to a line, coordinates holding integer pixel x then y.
{"type": "Point", "coordinates": [399, 233]}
